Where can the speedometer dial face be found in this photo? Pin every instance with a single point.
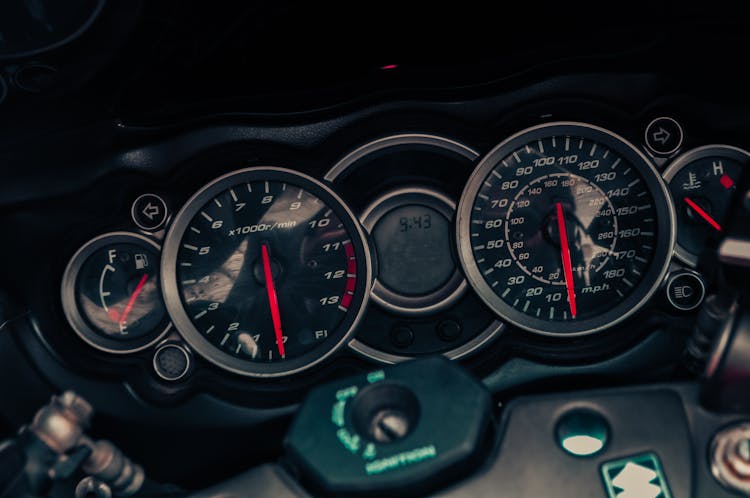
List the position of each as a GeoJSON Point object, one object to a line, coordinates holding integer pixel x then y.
{"type": "Point", "coordinates": [266, 272]}
{"type": "Point", "coordinates": [565, 229]}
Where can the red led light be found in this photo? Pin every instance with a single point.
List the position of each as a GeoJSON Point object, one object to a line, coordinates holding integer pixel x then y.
{"type": "Point", "coordinates": [726, 182]}
{"type": "Point", "coordinates": [389, 66]}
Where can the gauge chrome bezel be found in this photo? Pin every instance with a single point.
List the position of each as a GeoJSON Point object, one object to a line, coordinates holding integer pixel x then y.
{"type": "Point", "coordinates": [347, 165]}
{"type": "Point", "coordinates": [687, 158]}
{"type": "Point", "coordinates": [172, 292]}
{"type": "Point", "coordinates": [78, 322]}
{"type": "Point", "coordinates": [662, 252]}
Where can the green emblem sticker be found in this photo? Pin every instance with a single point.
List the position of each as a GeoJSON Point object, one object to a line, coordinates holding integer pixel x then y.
{"type": "Point", "coordinates": [639, 476]}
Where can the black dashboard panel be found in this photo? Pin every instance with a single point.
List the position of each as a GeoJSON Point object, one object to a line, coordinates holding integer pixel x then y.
{"type": "Point", "coordinates": [152, 114]}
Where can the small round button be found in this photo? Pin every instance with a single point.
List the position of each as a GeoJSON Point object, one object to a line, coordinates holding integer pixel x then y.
{"type": "Point", "coordinates": [402, 336]}
{"type": "Point", "coordinates": [448, 330]}
{"type": "Point", "coordinates": [582, 432]}
{"type": "Point", "coordinates": [664, 136]}
{"type": "Point", "coordinates": [149, 212]}
{"type": "Point", "coordinates": [685, 291]}
{"type": "Point", "coordinates": [171, 362]}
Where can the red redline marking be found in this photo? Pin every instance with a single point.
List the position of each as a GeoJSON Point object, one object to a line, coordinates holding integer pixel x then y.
{"type": "Point", "coordinates": [702, 213]}
{"type": "Point", "coordinates": [567, 265]}
{"type": "Point", "coordinates": [273, 300]}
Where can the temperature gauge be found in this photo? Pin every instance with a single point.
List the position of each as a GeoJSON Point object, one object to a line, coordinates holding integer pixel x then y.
{"type": "Point", "coordinates": [702, 182]}
{"type": "Point", "coordinates": [111, 294]}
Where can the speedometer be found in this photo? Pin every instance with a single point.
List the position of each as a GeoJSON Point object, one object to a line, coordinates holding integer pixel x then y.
{"type": "Point", "coordinates": [565, 228]}
{"type": "Point", "coordinates": [265, 272]}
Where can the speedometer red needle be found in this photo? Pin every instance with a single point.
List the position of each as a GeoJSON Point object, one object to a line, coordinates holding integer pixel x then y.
{"type": "Point", "coordinates": [702, 213]}
{"type": "Point", "coordinates": [133, 297]}
{"type": "Point", "coordinates": [273, 300]}
{"type": "Point", "coordinates": [567, 265]}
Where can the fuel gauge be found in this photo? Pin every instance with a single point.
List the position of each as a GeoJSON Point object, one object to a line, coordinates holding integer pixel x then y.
{"type": "Point", "coordinates": [111, 294]}
{"type": "Point", "coordinates": [703, 182]}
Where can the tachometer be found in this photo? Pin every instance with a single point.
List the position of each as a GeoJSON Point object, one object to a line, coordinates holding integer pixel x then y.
{"type": "Point", "coordinates": [266, 272]}
{"type": "Point", "coordinates": [565, 228]}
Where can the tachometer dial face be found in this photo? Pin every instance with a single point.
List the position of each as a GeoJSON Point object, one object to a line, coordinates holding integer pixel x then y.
{"type": "Point", "coordinates": [111, 293]}
{"type": "Point", "coordinates": [565, 229]}
{"type": "Point", "coordinates": [266, 272]}
{"type": "Point", "coordinates": [703, 183]}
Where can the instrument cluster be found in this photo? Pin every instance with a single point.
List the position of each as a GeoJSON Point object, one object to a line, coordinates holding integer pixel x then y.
{"type": "Point", "coordinates": [564, 229]}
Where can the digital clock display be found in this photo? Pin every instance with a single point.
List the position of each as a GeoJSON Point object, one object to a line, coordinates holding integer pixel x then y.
{"type": "Point", "coordinates": [413, 249]}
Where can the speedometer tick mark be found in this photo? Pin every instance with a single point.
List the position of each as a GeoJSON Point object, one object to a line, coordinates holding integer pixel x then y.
{"type": "Point", "coordinates": [593, 149]}
{"type": "Point", "coordinates": [541, 146]}
{"type": "Point", "coordinates": [233, 194]}
{"type": "Point", "coordinates": [209, 329]}
{"type": "Point", "coordinates": [614, 164]}
{"type": "Point", "coordinates": [634, 182]}
{"type": "Point", "coordinates": [487, 272]}
{"type": "Point", "coordinates": [515, 303]}
{"type": "Point", "coordinates": [195, 230]}
{"type": "Point", "coordinates": [482, 196]}
{"type": "Point", "coordinates": [606, 153]}
{"type": "Point", "coordinates": [498, 175]}
{"type": "Point", "coordinates": [526, 306]}
{"type": "Point", "coordinates": [205, 215]}
{"type": "Point", "coordinates": [343, 309]}
{"type": "Point", "coordinates": [620, 293]}
{"type": "Point", "coordinates": [487, 184]}
{"type": "Point", "coordinates": [201, 314]}
{"type": "Point", "coordinates": [266, 186]}
{"type": "Point", "coordinates": [627, 171]}
{"type": "Point", "coordinates": [218, 203]}
{"type": "Point", "coordinates": [479, 247]}
{"type": "Point", "coordinates": [224, 339]}
{"type": "Point", "coordinates": [567, 144]}
{"type": "Point", "coordinates": [641, 208]}
{"type": "Point", "coordinates": [516, 157]}
{"type": "Point", "coordinates": [642, 260]}
{"type": "Point", "coordinates": [506, 291]}
{"type": "Point", "coordinates": [186, 264]}
{"type": "Point", "coordinates": [627, 282]}
{"type": "Point", "coordinates": [188, 246]}
{"type": "Point", "coordinates": [494, 284]}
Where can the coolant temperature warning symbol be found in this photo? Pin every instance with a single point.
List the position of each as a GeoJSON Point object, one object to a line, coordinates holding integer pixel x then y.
{"type": "Point", "coordinates": [639, 476]}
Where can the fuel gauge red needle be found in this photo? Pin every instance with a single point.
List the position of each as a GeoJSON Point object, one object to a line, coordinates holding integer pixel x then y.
{"type": "Point", "coordinates": [133, 298]}
{"type": "Point", "coordinates": [567, 265]}
{"type": "Point", "coordinates": [703, 214]}
{"type": "Point", "coordinates": [273, 300]}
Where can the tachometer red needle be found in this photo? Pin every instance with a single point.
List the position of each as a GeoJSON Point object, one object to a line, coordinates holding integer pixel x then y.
{"type": "Point", "coordinates": [702, 213]}
{"type": "Point", "coordinates": [133, 297]}
{"type": "Point", "coordinates": [567, 265]}
{"type": "Point", "coordinates": [273, 300]}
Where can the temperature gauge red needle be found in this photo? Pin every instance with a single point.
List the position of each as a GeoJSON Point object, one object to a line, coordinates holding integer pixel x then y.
{"type": "Point", "coordinates": [567, 265]}
{"type": "Point", "coordinates": [273, 300]}
{"type": "Point", "coordinates": [703, 214]}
